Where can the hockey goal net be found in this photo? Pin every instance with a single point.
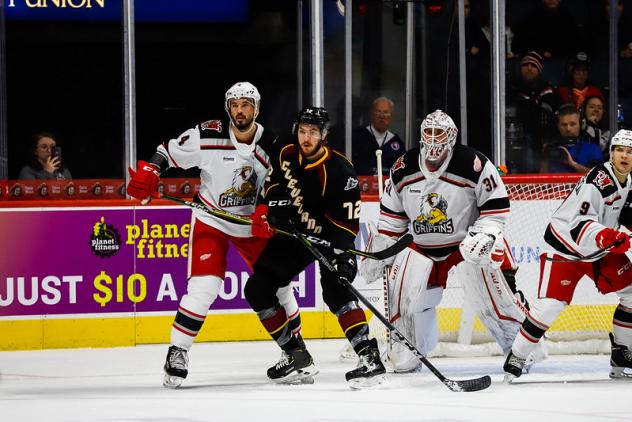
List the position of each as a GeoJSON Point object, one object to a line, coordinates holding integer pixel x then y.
{"type": "Point", "coordinates": [582, 328]}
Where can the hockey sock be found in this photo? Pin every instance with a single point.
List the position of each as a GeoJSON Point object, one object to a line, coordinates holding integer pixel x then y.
{"type": "Point", "coordinates": [201, 293]}
{"type": "Point", "coordinates": [353, 322]}
{"type": "Point", "coordinates": [530, 334]}
{"type": "Point", "coordinates": [622, 325]}
{"type": "Point", "coordinates": [276, 322]}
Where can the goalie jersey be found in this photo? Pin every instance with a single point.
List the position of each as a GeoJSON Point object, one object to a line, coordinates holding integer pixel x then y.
{"type": "Point", "coordinates": [320, 198]}
{"type": "Point", "coordinates": [232, 173]}
{"type": "Point", "coordinates": [597, 201]}
{"type": "Point", "coordinates": [440, 209]}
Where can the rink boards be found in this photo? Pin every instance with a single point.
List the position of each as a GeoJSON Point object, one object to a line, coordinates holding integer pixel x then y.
{"type": "Point", "coordinates": [100, 277]}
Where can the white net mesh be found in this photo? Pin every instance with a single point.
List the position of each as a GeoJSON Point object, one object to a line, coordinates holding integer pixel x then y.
{"type": "Point", "coordinates": [582, 328]}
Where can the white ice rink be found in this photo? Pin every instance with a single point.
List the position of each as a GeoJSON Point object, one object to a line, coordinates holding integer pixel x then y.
{"type": "Point", "coordinates": [227, 382]}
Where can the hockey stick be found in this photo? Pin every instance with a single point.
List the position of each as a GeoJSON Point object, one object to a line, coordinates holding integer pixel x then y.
{"type": "Point", "coordinates": [392, 250]}
{"type": "Point", "coordinates": [458, 386]}
{"type": "Point", "coordinates": [588, 257]}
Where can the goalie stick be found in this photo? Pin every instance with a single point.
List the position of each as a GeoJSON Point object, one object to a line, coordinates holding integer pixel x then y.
{"type": "Point", "coordinates": [392, 250]}
{"type": "Point", "coordinates": [475, 384]}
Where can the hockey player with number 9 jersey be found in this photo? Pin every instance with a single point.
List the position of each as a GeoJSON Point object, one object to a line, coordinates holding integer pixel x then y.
{"type": "Point", "coordinates": [456, 205]}
{"type": "Point", "coordinates": [587, 236]}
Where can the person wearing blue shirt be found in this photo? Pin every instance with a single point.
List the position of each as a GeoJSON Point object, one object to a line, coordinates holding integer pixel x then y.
{"type": "Point", "coordinates": [570, 153]}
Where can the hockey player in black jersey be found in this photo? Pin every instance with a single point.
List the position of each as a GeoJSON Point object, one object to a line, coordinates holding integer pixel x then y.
{"type": "Point", "coordinates": [596, 216]}
{"type": "Point", "coordinates": [312, 189]}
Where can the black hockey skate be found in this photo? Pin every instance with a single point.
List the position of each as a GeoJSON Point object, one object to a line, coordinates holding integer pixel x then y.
{"type": "Point", "coordinates": [513, 367]}
{"type": "Point", "coordinates": [620, 359]}
{"type": "Point", "coordinates": [294, 367]}
{"type": "Point", "coordinates": [370, 370]}
{"type": "Point", "coordinates": [176, 367]}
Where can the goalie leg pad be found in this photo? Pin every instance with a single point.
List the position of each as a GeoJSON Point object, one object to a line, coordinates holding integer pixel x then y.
{"type": "Point", "coordinates": [497, 308]}
{"type": "Point", "coordinates": [407, 281]}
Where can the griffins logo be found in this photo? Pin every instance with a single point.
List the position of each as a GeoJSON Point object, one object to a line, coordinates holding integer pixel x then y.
{"type": "Point", "coordinates": [105, 240]}
{"type": "Point", "coordinates": [433, 216]}
{"type": "Point", "coordinates": [243, 190]}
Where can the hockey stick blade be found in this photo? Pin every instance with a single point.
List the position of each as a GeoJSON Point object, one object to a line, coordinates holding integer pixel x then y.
{"type": "Point", "coordinates": [392, 250]}
{"type": "Point", "coordinates": [470, 385]}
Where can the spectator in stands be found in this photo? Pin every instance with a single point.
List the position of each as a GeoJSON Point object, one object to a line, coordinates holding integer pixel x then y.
{"type": "Point", "coordinates": [46, 161]}
{"type": "Point", "coordinates": [535, 103]}
{"type": "Point", "coordinates": [551, 31]}
{"type": "Point", "coordinates": [569, 153]}
{"type": "Point", "coordinates": [594, 121]}
{"type": "Point", "coordinates": [578, 87]}
{"type": "Point", "coordinates": [600, 32]}
{"type": "Point", "coordinates": [368, 139]}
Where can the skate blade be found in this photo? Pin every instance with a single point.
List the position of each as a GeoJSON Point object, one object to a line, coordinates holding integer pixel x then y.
{"type": "Point", "coordinates": [618, 373]}
{"type": "Point", "coordinates": [368, 383]}
{"type": "Point", "coordinates": [301, 376]}
{"type": "Point", "coordinates": [170, 381]}
{"type": "Point", "coordinates": [509, 378]}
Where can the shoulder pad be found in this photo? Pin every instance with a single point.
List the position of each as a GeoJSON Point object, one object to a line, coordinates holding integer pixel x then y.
{"type": "Point", "coordinates": [467, 163]}
{"type": "Point", "coordinates": [405, 165]}
{"type": "Point", "coordinates": [601, 178]}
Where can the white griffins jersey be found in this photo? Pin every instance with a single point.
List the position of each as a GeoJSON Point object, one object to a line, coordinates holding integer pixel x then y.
{"type": "Point", "coordinates": [440, 209]}
{"type": "Point", "coordinates": [595, 203]}
{"type": "Point", "coordinates": [232, 173]}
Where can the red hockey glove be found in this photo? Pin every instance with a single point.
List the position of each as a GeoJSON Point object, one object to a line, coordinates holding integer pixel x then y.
{"type": "Point", "coordinates": [144, 181]}
{"type": "Point", "coordinates": [260, 225]}
{"type": "Point", "coordinates": [608, 237]}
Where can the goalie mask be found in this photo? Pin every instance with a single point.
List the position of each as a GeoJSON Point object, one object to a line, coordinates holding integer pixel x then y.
{"type": "Point", "coordinates": [438, 136]}
{"type": "Point", "coordinates": [317, 116]}
{"type": "Point", "coordinates": [244, 90]}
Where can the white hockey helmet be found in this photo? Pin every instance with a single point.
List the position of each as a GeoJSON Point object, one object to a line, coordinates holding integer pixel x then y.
{"type": "Point", "coordinates": [243, 90]}
{"type": "Point", "coordinates": [438, 134]}
{"type": "Point", "coordinates": [622, 138]}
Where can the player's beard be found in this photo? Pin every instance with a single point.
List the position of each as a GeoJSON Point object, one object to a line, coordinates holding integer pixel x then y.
{"type": "Point", "coordinates": [313, 154]}
{"type": "Point", "coordinates": [245, 125]}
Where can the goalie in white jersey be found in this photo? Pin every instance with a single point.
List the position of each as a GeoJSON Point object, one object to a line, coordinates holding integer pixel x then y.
{"type": "Point", "coordinates": [233, 158]}
{"type": "Point", "coordinates": [453, 201]}
{"type": "Point", "coordinates": [587, 236]}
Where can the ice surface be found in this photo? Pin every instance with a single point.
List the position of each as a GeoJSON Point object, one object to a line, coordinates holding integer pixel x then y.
{"type": "Point", "coordinates": [227, 382]}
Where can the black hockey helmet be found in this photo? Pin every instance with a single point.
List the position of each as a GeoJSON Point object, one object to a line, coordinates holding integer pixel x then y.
{"type": "Point", "coordinates": [314, 116]}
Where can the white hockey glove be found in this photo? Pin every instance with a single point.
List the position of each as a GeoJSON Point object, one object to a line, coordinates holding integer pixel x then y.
{"type": "Point", "coordinates": [371, 269]}
{"type": "Point", "coordinates": [483, 245]}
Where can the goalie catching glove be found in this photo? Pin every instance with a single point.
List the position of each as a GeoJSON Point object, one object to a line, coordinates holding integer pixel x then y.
{"type": "Point", "coordinates": [483, 245]}
{"type": "Point", "coordinates": [144, 181]}
{"type": "Point", "coordinates": [609, 237]}
{"type": "Point", "coordinates": [371, 269]}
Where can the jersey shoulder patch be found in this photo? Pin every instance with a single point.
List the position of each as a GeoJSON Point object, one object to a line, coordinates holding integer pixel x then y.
{"type": "Point", "coordinates": [467, 163]}
{"type": "Point", "coordinates": [214, 129]}
{"type": "Point", "coordinates": [405, 165]}
{"type": "Point", "coordinates": [601, 178]}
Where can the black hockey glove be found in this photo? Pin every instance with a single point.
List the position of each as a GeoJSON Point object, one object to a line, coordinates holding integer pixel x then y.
{"type": "Point", "coordinates": [346, 266]}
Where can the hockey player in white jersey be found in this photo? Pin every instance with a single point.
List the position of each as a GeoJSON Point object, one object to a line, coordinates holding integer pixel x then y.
{"type": "Point", "coordinates": [587, 236]}
{"type": "Point", "coordinates": [455, 204]}
{"type": "Point", "coordinates": [233, 158]}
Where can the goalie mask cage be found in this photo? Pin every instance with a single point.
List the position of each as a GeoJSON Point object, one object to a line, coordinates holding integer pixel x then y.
{"type": "Point", "coordinates": [581, 328]}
